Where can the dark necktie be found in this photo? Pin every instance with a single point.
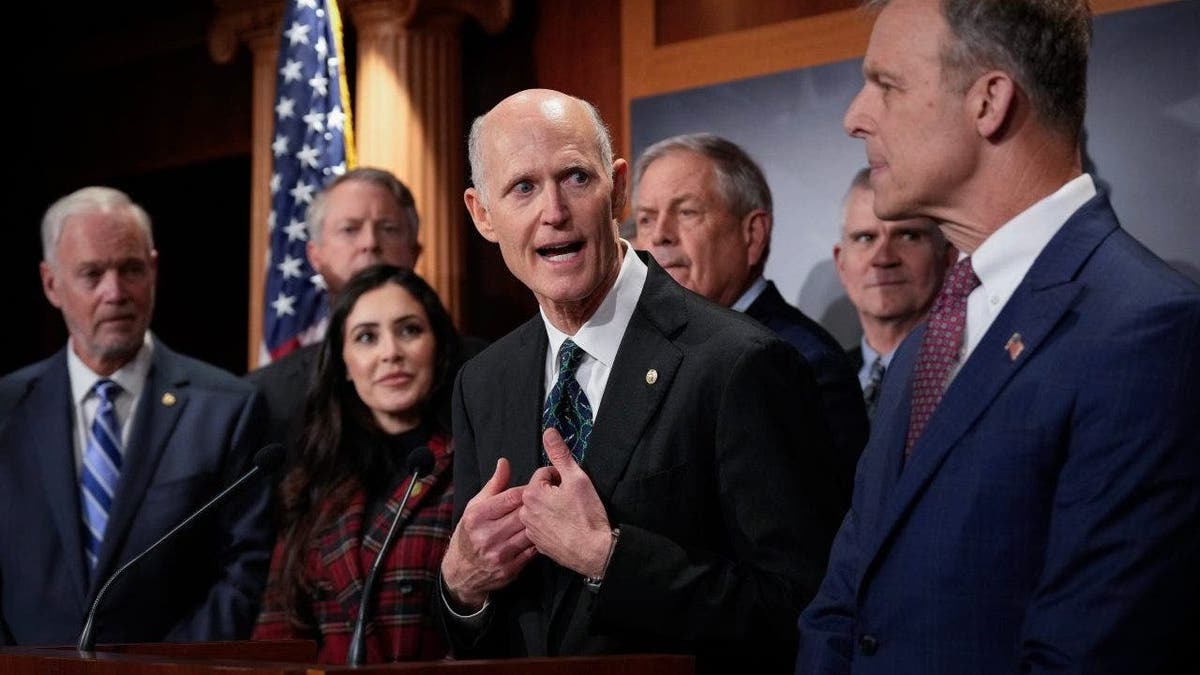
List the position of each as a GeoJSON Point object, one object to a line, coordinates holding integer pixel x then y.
{"type": "Point", "coordinates": [874, 379]}
{"type": "Point", "coordinates": [567, 408]}
{"type": "Point", "coordinates": [940, 347]}
{"type": "Point", "coordinates": [101, 469]}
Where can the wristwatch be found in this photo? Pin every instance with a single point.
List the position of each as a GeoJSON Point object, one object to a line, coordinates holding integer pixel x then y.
{"type": "Point", "coordinates": [593, 583]}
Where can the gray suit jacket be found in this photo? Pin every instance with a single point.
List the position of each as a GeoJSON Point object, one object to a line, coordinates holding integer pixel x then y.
{"type": "Point", "coordinates": [717, 472]}
{"type": "Point", "coordinates": [195, 430]}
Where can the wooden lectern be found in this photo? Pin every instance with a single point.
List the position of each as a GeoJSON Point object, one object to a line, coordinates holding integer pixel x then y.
{"type": "Point", "coordinates": [295, 657]}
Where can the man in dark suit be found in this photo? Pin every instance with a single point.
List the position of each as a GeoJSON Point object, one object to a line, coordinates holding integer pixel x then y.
{"type": "Point", "coordinates": [892, 270]}
{"type": "Point", "coordinates": [112, 441]}
{"type": "Point", "coordinates": [703, 210]}
{"type": "Point", "coordinates": [364, 217]}
{"type": "Point", "coordinates": [1028, 501]}
{"type": "Point", "coordinates": [685, 490]}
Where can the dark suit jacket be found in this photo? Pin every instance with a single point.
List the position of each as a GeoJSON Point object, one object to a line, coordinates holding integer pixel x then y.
{"type": "Point", "coordinates": [204, 584]}
{"type": "Point", "coordinates": [1049, 517]}
{"type": "Point", "coordinates": [855, 356]}
{"type": "Point", "coordinates": [841, 395]}
{"type": "Point", "coordinates": [718, 474]}
{"type": "Point", "coordinates": [284, 386]}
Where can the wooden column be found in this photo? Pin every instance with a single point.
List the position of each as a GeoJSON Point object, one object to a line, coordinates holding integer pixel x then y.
{"type": "Point", "coordinates": [257, 24]}
{"type": "Point", "coordinates": [408, 115]}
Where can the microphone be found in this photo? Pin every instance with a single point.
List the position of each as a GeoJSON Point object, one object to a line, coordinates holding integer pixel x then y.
{"type": "Point", "coordinates": [266, 460]}
{"type": "Point", "coordinates": [420, 461]}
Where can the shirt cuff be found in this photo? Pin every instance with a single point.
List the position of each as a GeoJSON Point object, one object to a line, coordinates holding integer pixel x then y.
{"type": "Point", "coordinates": [473, 620]}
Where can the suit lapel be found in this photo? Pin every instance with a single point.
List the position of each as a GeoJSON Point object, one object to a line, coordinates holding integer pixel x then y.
{"type": "Point", "coordinates": [153, 424]}
{"type": "Point", "coordinates": [766, 305]}
{"type": "Point", "coordinates": [47, 434]}
{"type": "Point", "coordinates": [522, 388]}
{"type": "Point", "coordinates": [630, 399]}
{"type": "Point", "coordinates": [1046, 293]}
{"type": "Point", "coordinates": [630, 402]}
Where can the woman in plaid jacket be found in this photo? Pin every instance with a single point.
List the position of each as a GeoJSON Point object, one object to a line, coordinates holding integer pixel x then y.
{"type": "Point", "coordinates": [381, 389]}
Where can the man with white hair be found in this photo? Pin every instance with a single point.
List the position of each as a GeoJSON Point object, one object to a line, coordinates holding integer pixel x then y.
{"type": "Point", "coordinates": [111, 442]}
{"type": "Point", "coordinates": [636, 469]}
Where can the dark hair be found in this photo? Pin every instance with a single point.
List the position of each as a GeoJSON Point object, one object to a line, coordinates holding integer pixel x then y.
{"type": "Point", "coordinates": [327, 473]}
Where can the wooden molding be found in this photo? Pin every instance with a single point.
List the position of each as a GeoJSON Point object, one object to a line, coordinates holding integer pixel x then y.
{"type": "Point", "coordinates": [649, 69]}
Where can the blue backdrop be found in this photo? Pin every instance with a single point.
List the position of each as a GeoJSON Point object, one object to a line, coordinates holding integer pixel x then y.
{"type": "Point", "coordinates": [1143, 141]}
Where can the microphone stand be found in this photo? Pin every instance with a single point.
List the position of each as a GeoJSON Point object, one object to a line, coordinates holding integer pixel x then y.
{"type": "Point", "coordinates": [419, 462]}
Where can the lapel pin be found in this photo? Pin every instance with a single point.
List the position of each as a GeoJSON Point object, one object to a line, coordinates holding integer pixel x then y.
{"type": "Point", "coordinates": [1014, 346]}
{"type": "Point", "coordinates": [168, 399]}
{"type": "Point", "coordinates": [651, 376]}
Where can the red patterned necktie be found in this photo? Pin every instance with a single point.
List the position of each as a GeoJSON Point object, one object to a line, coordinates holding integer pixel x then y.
{"type": "Point", "coordinates": [940, 347]}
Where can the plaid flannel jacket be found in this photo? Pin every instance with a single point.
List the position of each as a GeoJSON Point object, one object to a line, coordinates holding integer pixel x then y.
{"type": "Point", "coordinates": [402, 625]}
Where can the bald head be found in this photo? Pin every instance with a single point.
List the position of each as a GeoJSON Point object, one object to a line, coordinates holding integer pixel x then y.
{"type": "Point", "coordinates": [546, 190]}
{"type": "Point", "coordinates": [535, 105]}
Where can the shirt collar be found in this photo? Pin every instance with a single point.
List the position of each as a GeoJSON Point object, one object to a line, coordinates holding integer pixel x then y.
{"type": "Point", "coordinates": [131, 376]}
{"type": "Point", "coordinates": [600, 336]}
{"type": "Point", "coordinates": [869, 355]}
{"type": "Point", "coordinates": [743, 303]}
{"type": "Point", "coordinates": [1002, 260]}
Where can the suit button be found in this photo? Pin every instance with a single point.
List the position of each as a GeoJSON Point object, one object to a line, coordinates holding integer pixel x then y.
{"type": "Point", "coordinates": [868, 644]}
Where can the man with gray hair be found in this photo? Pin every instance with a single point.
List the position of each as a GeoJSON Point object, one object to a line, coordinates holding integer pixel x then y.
{"type": "Point", "coordinates": [703, 210]}
{"type": "Point", "coordinates": [364, 217]}
{"type": "Point", "coordinates": [111, 442]}
{"type": "Point", "coordinates": [891, 269]}
{"type": "Point", "coordinates": [1028, 501]}
{"type": "Point", "coordinates": [636, 469]}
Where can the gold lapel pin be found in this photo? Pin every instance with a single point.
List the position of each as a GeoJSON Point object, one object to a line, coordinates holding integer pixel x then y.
{"type": "Point", "coordinates": [651, 376]}
{"type": "Point", "coordinates": [1014, 346]}
{"type": "Point", "coordinates": [168, 399]}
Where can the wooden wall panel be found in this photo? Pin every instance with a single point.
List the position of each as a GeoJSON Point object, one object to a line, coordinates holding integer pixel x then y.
{"type": "Point", "coordinates": [577, 50]}
{"type": "Point", "coordinates": [651, 65]}
{"type": "Point", "coordinates": [680, 20]}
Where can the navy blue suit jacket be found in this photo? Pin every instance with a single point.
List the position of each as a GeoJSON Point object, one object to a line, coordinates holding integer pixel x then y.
{"type": "Point", "coordinates": [1048, 520]}
{"type": "Point", "coordinates": [203, 585]}
{"type": "Point", "coordinates": [842, 404]}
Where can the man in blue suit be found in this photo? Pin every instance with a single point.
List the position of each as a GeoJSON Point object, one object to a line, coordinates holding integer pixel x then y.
{"type": "Point", "coordinates": [112, 441]}
{"type": "Point", "coordinates": [703, 209]}
{"type": "Point", "coordinates": [1029, 499]}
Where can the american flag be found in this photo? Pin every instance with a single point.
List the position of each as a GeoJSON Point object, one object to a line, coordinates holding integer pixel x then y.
{"type": "Point", "coordinates": [313, 143]}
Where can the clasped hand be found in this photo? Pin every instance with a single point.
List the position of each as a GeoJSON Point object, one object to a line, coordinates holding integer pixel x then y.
{"type": "Point", "coordinates": [557, 514]}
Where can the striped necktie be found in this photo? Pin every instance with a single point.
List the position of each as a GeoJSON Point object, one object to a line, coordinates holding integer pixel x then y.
{"type": "Point", "coordinates": [567, 407]}
{"type": "Point", "coordinates": [874, 380]}
{"type": "Point", "coordinates": [101, 469]}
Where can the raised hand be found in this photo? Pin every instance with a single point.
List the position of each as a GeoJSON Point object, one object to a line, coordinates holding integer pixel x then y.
{"type": "Point", "coordinates": [562, 513]}
{"type": "Point", "coordinates": [490, 547]}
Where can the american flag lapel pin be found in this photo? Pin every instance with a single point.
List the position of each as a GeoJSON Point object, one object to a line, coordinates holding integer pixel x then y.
{"type": "Point", "coordinates": [1014, 346]}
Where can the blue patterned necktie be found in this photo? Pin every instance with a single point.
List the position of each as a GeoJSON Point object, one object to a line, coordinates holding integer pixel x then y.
{"type": "Point", "coordinates": [567, 407]}
{"type": "Point", "coordinates": [101, 469]}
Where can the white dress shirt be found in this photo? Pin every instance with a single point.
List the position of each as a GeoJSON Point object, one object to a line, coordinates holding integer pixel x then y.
{"type": "Point", "coordinates": [1004, 258]}
{"type": "Point", "coordinates": [131, 377]}
{"type": "Point", "coordinates": [600, 336]}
